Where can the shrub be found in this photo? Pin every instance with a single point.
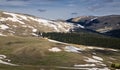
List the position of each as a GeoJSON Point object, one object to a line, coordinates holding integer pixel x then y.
{"type": "Point", "coordinates": [115, 65]}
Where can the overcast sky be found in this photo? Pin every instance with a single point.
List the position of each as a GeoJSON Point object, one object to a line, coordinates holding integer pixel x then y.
{"type": "Point", "coordinates": [62, 9]}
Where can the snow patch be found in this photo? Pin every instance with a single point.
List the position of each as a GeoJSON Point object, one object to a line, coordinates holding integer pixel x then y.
{"type": "Point", "coordinates": [77, 68]}
{"type": "Point", "coordinates": [3, 57]}
{"type": "Point", "coordinates": [14, 26]}
{"type": "Point", "coordinates": [56, 41]}
{"type": "Point", "coordinates": [23, 17]}
{"type": "Point", "coordinates": [99, 48]}
{"type": "Point", "coordinates": [34, 34]}
{"type": "Point", "coordinates": [34, 30]}
{"type": "Point", "coordinates": [93, 18]}
{"type": "Point", "coordinates": [105, 68]}
{"type": "Point", "coordinates": [80, 26]}
{"type": "Point", "coordinates": [97, 58]}
{"type": "Point", "coordinates": [3, 62]}
{"type": "Point", "coordinates": [72, 49]}
{"type": "Point", "coordinates": [2, 34]}
{"type": "Point", "coordinates": [4, 27]}
{"type": "Point", "coordinates": [38, 20]}
{"type": "Point", "coordinates": [54, 49]}
{"type": "Point", "coordinates": [90, 47]}
{"type": "Point", "coordinates": [85, 65]}
{"type": "Point", "coordinates": [103, 64]}
{"type": "Point", "coordinates": [14, 18]}
{"type": "Point", "coordinates": [92, 60]}
{"type": "Point", "coordinates": [94, 53]}
{"type": "Point", "coordinates": [96, 48]}
{"type": "Point", "coordinates": [115, 50]}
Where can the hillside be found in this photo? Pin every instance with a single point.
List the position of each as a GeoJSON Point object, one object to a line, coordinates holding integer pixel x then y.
{"type": "Point", "coordinates": [23, 25]}
{"type": "Point", "coordinates": [32, 53]}
{"type": "Point", "coordinates": [98, 23]}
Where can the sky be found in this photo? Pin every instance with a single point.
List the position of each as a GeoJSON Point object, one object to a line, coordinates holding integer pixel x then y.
{"type": "Point", "coordinates": [62, 9]}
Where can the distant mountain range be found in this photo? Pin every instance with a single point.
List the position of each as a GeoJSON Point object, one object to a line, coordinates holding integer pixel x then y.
{"type": "Point", "coordinates": [24, 24]}
{"type": "Point", "coordinates": [102, 24]}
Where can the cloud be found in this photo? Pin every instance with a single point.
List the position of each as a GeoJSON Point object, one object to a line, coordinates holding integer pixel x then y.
{"type": "Point", "coordinates": [74, 13]}
{"type": "Point", "coordinates": [42, 10]}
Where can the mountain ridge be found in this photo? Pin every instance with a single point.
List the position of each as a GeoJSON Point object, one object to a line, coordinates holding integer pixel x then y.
{"type": "Point", "coordinates": [98, 23]}
{"type": "Point", "coordinates": [11, 22]}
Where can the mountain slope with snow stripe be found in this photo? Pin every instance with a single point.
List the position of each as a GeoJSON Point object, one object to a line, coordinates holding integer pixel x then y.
{"type": "Point", "coordinates": [100, 24]}
{"type": "Point", "coordinates": [22, 24]}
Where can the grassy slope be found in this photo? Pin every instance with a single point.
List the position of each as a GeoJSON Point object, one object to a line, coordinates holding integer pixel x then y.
{"type": "Point", "coordinates": [32, 54]}
{"type": "Point", "coordinates": [29, 51]}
